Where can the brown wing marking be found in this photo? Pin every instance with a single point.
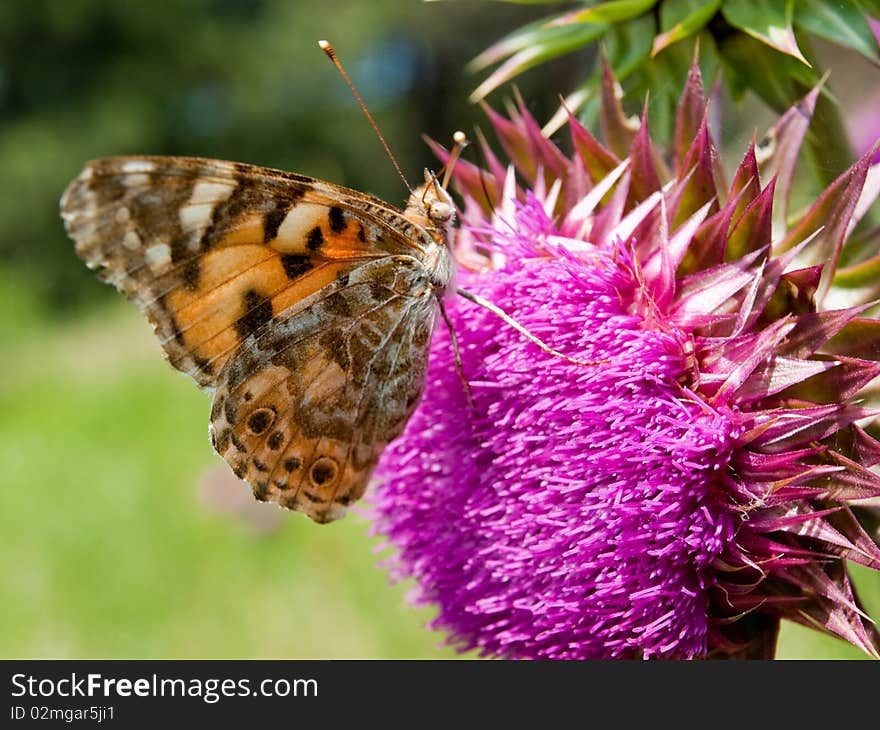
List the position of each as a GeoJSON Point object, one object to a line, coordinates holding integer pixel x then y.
{"type": "Point", "coordinates": [289, 410]}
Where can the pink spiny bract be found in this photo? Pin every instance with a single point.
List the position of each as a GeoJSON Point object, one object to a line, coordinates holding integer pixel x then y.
{"type": "Point", "coordinates": [680, 497]}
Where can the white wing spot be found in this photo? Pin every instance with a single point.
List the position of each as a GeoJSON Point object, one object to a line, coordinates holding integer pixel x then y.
{"type": "Point", "coordinates": [223, 167]}
{"type": "Point", "coordinates": [196, 214]}
{"type": "Point", "coordinates": [158, 257]}
{"type": "Point", "coordinates": [123, 215]}
{"type": "Point", "coordinates": [296, 225]}
{"type": "Point", "coordinates": [137, 180]}
{"type": "Point", "coordinates": [117, 279]}
{"type": "Point", "coordinates": [133, 166]}
{"type": "Point", "coordinates": [132, 241]}
{"type": "Point", "coordinates": [195, 217]}
{"type": "Point", "coordinates": [211, 192]}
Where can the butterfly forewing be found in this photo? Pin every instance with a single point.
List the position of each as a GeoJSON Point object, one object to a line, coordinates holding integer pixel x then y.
{"type": "Point", "coordinates": [304, 295]}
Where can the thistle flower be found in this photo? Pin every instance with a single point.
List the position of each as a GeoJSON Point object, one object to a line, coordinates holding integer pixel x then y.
{"type": "Point", "coordinates": [703, 480]}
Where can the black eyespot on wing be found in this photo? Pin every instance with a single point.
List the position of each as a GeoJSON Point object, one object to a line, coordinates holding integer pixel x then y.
{"type": "Point", "coordinates": [324, 470]}
{"type": "Point", "coordinates": [260, 420]}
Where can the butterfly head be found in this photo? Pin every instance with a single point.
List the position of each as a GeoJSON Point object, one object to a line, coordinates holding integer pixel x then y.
{"type": "Point", "coordinates": [432, 207]}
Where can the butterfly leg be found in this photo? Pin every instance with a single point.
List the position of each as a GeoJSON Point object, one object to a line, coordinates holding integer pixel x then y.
{"type": "Point", "coordinates": [458, 367]}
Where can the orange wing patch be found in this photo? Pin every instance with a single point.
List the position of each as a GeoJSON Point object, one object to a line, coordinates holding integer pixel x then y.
{"type": "Point", "coordinates": [238, 290]}
{"type": "Point", "coordinates": [316, 229]}
{"type": "Point", "coordinates": [248, 229]}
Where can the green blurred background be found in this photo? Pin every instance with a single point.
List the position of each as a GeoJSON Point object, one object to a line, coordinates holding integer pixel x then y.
{"type": "Point", "coordinates": [121, 533]}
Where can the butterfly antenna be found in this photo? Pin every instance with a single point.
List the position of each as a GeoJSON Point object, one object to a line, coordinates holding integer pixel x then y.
{"type": "Point", "coordinates": [460, 142]}
{"type": "Point", "coordinates": [328, 49]}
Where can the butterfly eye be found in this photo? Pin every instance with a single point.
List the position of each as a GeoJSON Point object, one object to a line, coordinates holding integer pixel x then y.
{"type": "Point", "coordinates": [440, 212]}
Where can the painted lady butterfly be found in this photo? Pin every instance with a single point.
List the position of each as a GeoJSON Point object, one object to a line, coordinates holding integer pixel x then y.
{"type": "Point", "coordinates": [306, 306]}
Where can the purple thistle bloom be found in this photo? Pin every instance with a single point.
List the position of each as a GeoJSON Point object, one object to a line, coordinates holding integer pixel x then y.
{"type": "Point", "coordinates": [679, 497]}
{"type": "Point", "coordinates": [582, 459]}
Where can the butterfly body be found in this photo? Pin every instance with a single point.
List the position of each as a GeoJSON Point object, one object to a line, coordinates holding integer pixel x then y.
{"type": "Point", "coordinates": [307, 307]}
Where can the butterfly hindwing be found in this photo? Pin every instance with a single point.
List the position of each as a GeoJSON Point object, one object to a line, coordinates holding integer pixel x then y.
{"type": "Point", "coordinates": [304, 408]}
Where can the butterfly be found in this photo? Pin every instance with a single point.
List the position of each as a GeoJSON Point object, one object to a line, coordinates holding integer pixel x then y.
{"type": "Point", "coordinates": [306, 307]}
